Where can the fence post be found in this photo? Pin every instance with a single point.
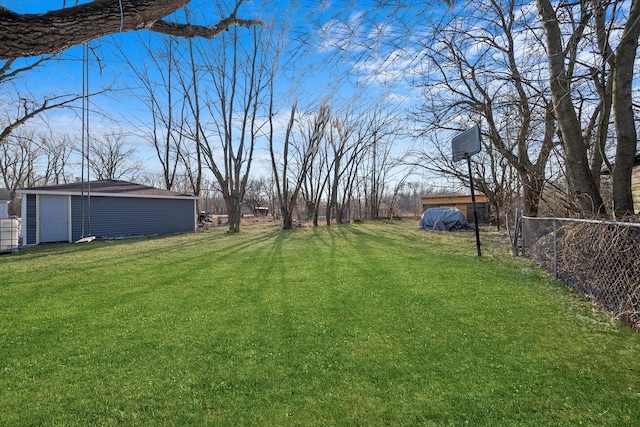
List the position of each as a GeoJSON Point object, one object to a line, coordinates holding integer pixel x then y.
{"type": "Point", "coordinates": [523, 238]}
{"type": "Point", "coordinates": [555, 247]}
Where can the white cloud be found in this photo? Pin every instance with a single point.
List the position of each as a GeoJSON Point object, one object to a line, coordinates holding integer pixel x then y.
{"type": "Point", "coordinates": [341, 35]}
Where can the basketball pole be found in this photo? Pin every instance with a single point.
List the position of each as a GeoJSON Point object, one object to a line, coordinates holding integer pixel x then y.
{"type": "Point", "coordinates": [473, 203]}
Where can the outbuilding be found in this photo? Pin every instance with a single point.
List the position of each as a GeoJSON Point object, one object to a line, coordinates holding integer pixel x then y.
{"type": "Point", "coordinates": [635, 183]}
{"type": "Point", "coordinates": [461, 202]}
{"type": "Point", "coordinates": [104, 209]}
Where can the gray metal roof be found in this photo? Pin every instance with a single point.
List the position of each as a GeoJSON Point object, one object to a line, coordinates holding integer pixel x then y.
{"type": "Point", "coordinates": [109, 188]}
{"type": "Point", "coordinates": [5, 195]}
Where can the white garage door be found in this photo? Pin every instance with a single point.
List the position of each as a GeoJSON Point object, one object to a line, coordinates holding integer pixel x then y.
{"type": "Point", "coordinates": [54, 219]}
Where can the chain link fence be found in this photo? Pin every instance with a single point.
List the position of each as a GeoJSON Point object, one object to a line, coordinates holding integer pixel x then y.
{"type": "Point", "coordinates": [599, 259]}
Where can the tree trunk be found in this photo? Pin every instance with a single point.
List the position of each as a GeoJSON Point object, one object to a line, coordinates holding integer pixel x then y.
{"type": "Point", "coordinates": [581, 182]}
{"type": "Point", "coordinates": [331, 204]}
{"type": "Point", "coordinates": [233, 212]}
{"type": "Point", "coordinates": [623, 114]}
{"type": "Point", "coordinates": [532, 194]}
{"type": "Point", "coordinates": [603, 82]}
{"type": "Point", "coordinates": [537, 178]}
{"type": "Point", "coordinates": [287, 220]}
{"type": "Point", "coordinates": [310, 209]}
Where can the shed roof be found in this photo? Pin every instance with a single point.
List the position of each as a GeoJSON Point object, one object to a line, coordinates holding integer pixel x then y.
{"type": "Point", "coordinates": [457, 199]}
{"type": "Point", "coordinates": [106, 188]}
{"type": "Point", "coordinates": [5, 195]}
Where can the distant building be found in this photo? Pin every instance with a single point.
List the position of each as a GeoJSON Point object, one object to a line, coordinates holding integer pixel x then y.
{"type": "Point", "coordinates": [635, 184]}
{"type": "Point", "coordinates": [261, 211]}
{"type": "Point", "coordinates": [462, 203]}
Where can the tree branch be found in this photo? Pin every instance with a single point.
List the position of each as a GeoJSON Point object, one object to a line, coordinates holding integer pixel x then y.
{"type": "Point", "coordinates": [6, 73]}
{"type": "Point", "coordinates": [52, 32]}
{"type": "Point", "coordinates": [190, 31]}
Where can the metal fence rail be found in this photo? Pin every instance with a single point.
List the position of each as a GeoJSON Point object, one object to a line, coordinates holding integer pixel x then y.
{"type": "Point", "coordinates": [599, 259]}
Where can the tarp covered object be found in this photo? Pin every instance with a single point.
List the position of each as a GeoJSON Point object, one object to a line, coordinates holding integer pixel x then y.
{"type": "Point", "coordinates": [443, 219]}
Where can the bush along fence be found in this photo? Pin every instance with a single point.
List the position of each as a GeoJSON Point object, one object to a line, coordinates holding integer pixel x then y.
{"type": "Point", "coordinates": [598, 259]}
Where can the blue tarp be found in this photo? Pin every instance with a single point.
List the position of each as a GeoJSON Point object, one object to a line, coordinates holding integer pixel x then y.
{"type": "Point", "coordinates": [443, 219]}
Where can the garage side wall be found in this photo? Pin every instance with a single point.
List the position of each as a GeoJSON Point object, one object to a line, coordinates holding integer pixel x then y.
{"type": "Point", "coordinates": [127, 216]}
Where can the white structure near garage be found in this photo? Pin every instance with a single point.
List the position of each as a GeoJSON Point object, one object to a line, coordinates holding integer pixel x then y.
{"type": "Point", "coordinates": [5, 198]}
{"type": "Point", "coordinates": [104, 209]}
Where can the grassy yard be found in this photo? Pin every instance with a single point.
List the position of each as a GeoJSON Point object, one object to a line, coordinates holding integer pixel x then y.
{"type": "Point", "coordinates": [358, 325]}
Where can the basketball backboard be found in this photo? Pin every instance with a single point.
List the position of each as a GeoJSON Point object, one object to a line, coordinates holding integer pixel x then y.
{"type": "Point", "coordinates": [466, 143]}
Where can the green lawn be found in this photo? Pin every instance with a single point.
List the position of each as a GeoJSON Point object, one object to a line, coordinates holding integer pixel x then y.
{"type": "Point", "coordinates": [365, 324]}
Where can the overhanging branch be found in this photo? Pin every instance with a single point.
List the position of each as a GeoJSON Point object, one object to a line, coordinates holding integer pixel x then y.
{"type": "Point", "coordinates": [190, 31]}
{"type": "Point", "coordinates": [23, 35]}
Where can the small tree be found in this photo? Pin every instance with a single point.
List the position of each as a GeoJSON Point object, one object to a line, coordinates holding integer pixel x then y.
{"type": "Point", "coordinates": [295, 161]}
{"type": "Point", "coordinates": [238, 74]}
{"type": "Point", "coordinates": [111, 157]}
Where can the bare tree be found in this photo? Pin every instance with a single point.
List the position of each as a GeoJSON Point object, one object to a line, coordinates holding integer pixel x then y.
{"type": "Point", "coordinates": [611, 30]}
{"type": "Point", "coordinates": [19, 160]}
{"type": "Point", "coordinates": [346, 142]}
{"type": "Point", "coordinates": [562, 61]}
{"type": "Point", "coordinates": [315, 133]}
{"type": "Point", "coordinates": [238, 74]}
{"type": "Point", "coordinates": [369, 128]}
{"type": "Point", "coordinates": [291, 166]}
{"type": "Point", "coordinates": [589, 51]}
{"type": "Point", "coordinates": [56, 152]}
{"type": "Point", "coordinates": [385, 177]}
{"type": "Point", "coordinates": [408, 196]}
{"type": "Point", "coordinates": [23, 108]}
{"type": "Point", "coordinates": [286, 198]}
{"type": "Point", "coordinates": [111, 157]}
{"type": "Point", "coordinates": [192, 158]}
{"type": "Point", "coordinates": [28, 158]}
{"type": "Point", "coordinates": [624, 118]}
{"type": "Point", "coordinates": [379, 130]}
{"type": "Point", "coordinates": [164, 130]}
{"type": "Point", "coordinates": [257, 193]}
{"type": "Point", "coordinates": [498, 85]}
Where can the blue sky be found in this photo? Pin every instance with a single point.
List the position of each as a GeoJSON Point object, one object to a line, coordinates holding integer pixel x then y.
{"type": "Point", "coordinates": [341, 46]}
{"type": "Point", "coordinates": [347, 51]}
